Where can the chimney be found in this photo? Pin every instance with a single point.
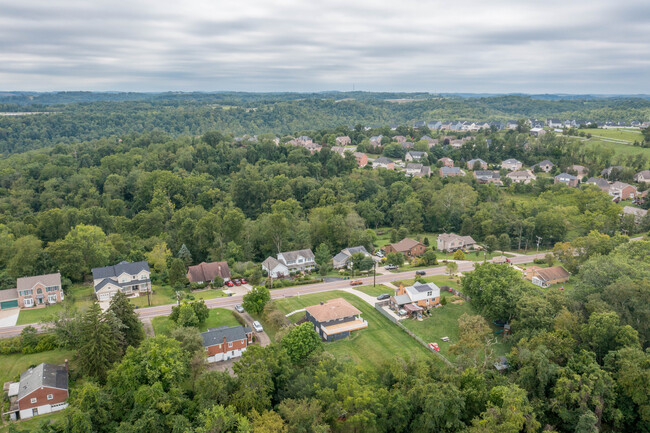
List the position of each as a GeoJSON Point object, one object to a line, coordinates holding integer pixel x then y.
{"type": "Point", "coordinates": [66, 365]}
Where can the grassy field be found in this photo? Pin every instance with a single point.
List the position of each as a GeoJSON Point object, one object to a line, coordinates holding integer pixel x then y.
{"type": "Point", "coordinates": [379, 289]}
{"type": "Point", "coordinates": [369, 347]}
{"type": "Point", "coordinates": [13, 365]}
{"type": "Point", "coordinates": [616, 134]}
{"type": "Point", "coordinates": [162, 295]}
{"type": "Point", "coordinates": [218, 317]}
{"type": "Point", "coordinates": [439, 280]}
{"type": "Point", "coordinates": [79, 296]}
{"type": "Point", "coordinates": [33, 424]}
{"type": "Point", "coordinates": [619, 140]}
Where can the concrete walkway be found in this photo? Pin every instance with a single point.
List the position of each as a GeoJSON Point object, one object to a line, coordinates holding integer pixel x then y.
{"type": "Point", "coordinates": [370, 300]}
{"type": "Point", "coordinates": [294, 312]}
{"type": "Point", "coordinates": [148, 327]}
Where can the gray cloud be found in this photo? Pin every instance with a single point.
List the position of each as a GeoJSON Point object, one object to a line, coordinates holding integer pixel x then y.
{"type": "Point", "coordinates": [595, 46]}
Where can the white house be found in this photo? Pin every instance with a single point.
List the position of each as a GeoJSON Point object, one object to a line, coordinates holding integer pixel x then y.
{"type": "Point", "coordinates": [129, 278]}
{"type": "Point", "coordinates": [275, 268]}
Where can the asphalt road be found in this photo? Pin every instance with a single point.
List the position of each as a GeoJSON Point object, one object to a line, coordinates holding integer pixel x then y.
{"type": "Point", "coordinates": [231, 301]}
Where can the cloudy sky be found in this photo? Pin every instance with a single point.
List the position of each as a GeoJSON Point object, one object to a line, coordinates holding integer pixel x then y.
{"type": "Point", "coordinates": [569, 46]}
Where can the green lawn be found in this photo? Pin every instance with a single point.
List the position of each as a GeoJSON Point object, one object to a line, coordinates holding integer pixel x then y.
{"type": "Point", "coordinates": [369, 347]}
{"type": "Point", "coordinates": [616, 134]}
{"type": "Point", "coordinates": [439, 280]}
{"type": "Point", "coordinates": [218, 317]}
{"type": "Point", "coordinates": [161, 295]}
{"type": "Point", "coordinates": [81, 297]}
{"type": "Point", "coordinates": [208, 294]}
{"type": "Point", "coordinates": [377, 290]}
{"type": "Point", "coordinates": [33, 424]}
{"type": "Point", "coordinates": [13, 365]}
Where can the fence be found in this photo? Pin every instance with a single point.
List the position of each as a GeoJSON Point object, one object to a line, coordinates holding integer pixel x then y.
{"type": "Point", "coordinates": [390, 317]}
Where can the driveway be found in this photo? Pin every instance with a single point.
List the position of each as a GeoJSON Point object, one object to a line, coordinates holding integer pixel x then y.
{"type": "Point", "coordinates": [371, 300]}
{"type": "Point", "coordinates": [9, 317]}
{"type": "Point", "coordinates": [262, 337]}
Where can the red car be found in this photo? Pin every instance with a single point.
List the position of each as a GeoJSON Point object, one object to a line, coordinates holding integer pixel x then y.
{"type": "Point", "coordinates": [237, 282]}
{"type": "Point", "coordinates": [434, 346]}
{"type": "Point", "coordinates": [229, 283]}
{"type": "Point", "coordinates": [244, 281]}
{"type": "Point", "coordinates": [356, 283]}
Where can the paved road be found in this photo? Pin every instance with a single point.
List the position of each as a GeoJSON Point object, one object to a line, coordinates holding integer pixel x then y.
{"type": "Point", "coordinates": [231, 301]}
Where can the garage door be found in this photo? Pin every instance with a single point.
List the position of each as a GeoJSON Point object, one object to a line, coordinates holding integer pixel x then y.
{"type": "Point", "coordinates": [9, 304]}
{"type": "Point", "coordinates": [104, 297]}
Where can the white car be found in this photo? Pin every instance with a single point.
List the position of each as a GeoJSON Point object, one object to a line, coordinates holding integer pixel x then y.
{"type": "Point", "coordinates": [257, 326]}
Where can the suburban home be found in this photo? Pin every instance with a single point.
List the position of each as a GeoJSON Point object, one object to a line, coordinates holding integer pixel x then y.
{"type": "Point", "coordinates": [36, 291]}
{"type": "Point", "coordinates": [608, 171]}
{"type": "Point", "coordinates": [599, 182]}
{"type": "Point", "coordinates": [545, 277]}
{"type": "Point", "coordinates": [335, 319]}
{"type": "Point", "coordinates": [446, 162]}
{"type": "Point", "coordinates": [226, 342]}
{"type": "Point", "coordinates": [408, 145]}
{"type": "Point", "coordinates": [453, 242]}
{"type": "Point", "coordinates": [376, 140]}
{"type": "Point", "coordinates": [434, 124]}
{"type": "Point", "coordinates": [487, 176]}
{"type": "Point", "coordinates": [399, 139]}
{"type": "Point", "coordinates": [418, 170]}
{"type": "Point", "coordinates": [383, 162]}
{"type": "Point", "coordinates": [555, 123]}
{"type": "Point", "coordinates": [416, 297]}
{"type": "Point", "coordinates": [274, 268]}
{"type": "Point", "coordinates": [42, 389]}
{"type": "Point", "coordinates": [512, 124]}
{"type": "Point", "coordinates": [303, 140]}
{"type": "Point", "coordinates": [636, 212]}
{"type": "Point", "coordinates": [545, 165]}
{"type": "Point", "coordinates": [567, 179]}
{"type": "Point", "coordinates": [127, 277]}
{"type": "Point", "coordinates": [342, 259]}
{"type": "Point", "coordinates": [362, 159]}
{"type": "Point", "coordinates": [642, 176]}
{"type": "Point", "coordinates": [338, 149]}
{"type": "Point", "coordinates": [457, 143]}
{"type": "Point", "coordinates": [472, 162]}
{"type": "Point", "coordinates": [521, 176]}
{"type": "Point", "coordinates": [343, 141]}
{"type": "Point", "coordinates": [511, 164]}
{"type": "Point", "coordinates": [430, 141]}
{"type": "Point", "coordinates": [419, 124]}
{"type": "Point", "coordinates": [580, 170]}
{"type": "Point", "coordinates": [298, 261]}
{"type": "Point", "coordinates": [537, 132]}
{"type": "Point", "coordinates": [622, 191]}
{"type": "Point", "coordinates": [408, 247]}
{"type": "Point", "coordinates": [207, 272]}
{"type": "Point", "coordinates": [451, 171]}
{"type": "Point", "coordinates": [413, 155]}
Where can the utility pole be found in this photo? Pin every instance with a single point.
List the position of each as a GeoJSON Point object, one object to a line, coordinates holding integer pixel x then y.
{"type": "Point", "coordinates": [538, 241]}
{"type": "Point", "coordinates": [374, 273]}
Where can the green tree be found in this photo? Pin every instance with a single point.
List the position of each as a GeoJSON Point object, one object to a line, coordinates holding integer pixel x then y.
{"type": "Point", "coordinates": [452, 268]}
{"type": "Point", "coordinates": [100, 344]}
{"type": "Point", "coordinates": [459, 255]}
{"type": "Point", "coordinates": [83, 248]}
{"type": "Point", "coordinates": [268, 422]}
{"type": "Point", "coordinates": [323, 258]}
{"type": "Point", "coordinates": [25, 254]}
{"type": "Point", "coordinates": [509, 411]}
{"type": "Point", "coordinates": [255, 300]}
{"type": "Point", "coordinates": [177, 273]}
{"type": "Point", "coordinates": [301, 342]}
{"type": "Point", "coordinates": [124, 311]}
{"type": "Point", "coordinates": [185, 255]}
{"type": "Point", "coordinates": [396, 259]}
{"type": "Point", "coordinates": [187, 316]}
{"type": "Point", "coordinates": [220, 419]}
{"type": "Point", "coordinates": [491, 243]}
{"type": "Point", "coordinates": [159, 256]}
{"type": "Point", "coordinates": [504, 242]}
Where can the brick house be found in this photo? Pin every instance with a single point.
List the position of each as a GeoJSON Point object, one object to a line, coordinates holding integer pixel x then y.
{"type": "Point", "coordinates": [622, 191]}
{"type": "Point", "coordinates": [511, 164]}
{"type": "Point", "coordinates": [447, 162]}
{"type": "Point", "coordinates": [362, 159]}
{"type": "Point", "coordinates": [335, 319]}
{"type": "Point", "coordinates": [343, 141]}
{"type": "Point", "coordinates": [482, 164]}
{"type": "Point", "coordinates": [451, 171]}
{"type": "Point", "coordinates": [224, 343]}
{"type": "Point", "coordinates": [207, 272]}
{"type": "Point", "coordinates": [36, 291]}
{"type": "Point", "coordinates": [545, 165]}
{"type": "Point", "coordinates": [567, 179]}
{"type": "Point", "coordinates": [408, 247]}
{"type": "Point", "coordinates": [42, 389]}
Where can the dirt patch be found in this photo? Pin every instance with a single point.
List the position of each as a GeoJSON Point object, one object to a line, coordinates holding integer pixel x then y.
{"type": "Point", "coordinates": [458, 302]}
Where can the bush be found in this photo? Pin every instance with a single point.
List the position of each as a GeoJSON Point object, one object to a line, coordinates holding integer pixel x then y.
{"type": "Point", "coordinates": [443, 300]}
{"type": "Point", "coordinates": [459, 255]}
{"type": "Point", "coordinates": [256, 299]}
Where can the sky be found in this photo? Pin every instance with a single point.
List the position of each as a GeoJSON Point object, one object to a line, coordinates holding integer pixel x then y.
{"type": "Point", "coordinates": [498, 46]}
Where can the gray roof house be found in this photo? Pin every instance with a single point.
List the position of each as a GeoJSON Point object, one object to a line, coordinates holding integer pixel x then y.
{"type": "Point", "coordinates": [131, 278]}
{"type": "Point", "coordinates": [298, 260]}
{"type": "Point", "coordinates": [567, 179]}
{"type": "Point", "coordinates": [414, 155]}
{"type": "Point", "coordinates": [599, 182]}
{"type": "Point", "coordinates": [342, 259]}
{"type": "Point", "coordinates": [451, 171]}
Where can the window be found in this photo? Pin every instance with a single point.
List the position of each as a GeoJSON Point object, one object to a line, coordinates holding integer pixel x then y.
{"type": "Point", "coordinates": [52, 289]}
{"type": "Point", "coordinates": [429, 293]}
{"type": "Point", "coordinates": [29, 302]}
{"type": "Point", "coordinates": [39, 291]}
{"type": "Point", "coordinates": [33, 400]}
{"type": "Point", "coordinates": [50, 396]}
{"type": "Point", "coordinates": [51, 299]}
{"type": "Point", "coordinates": [26, 292]}
{"type": "Point", "coordinates": [230, 344]}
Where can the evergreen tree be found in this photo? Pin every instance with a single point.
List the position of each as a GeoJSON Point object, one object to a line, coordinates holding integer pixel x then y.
{"type": "Point", "coordinates": [177, 273]}
{"type": "Point", "coordinates": [124, 311]}
{"type": "Point", "coordinates": [100, 343]}
{"type": "Point", "coordinates": [185, 255]}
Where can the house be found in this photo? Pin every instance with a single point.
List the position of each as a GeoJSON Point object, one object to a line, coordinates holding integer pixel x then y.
{"type": "Point", "coordinates": [545, 277]}
{"type": "Point", "coordinates": [580, 170]}
{"type": "Point", "coordinates": [487, 176]}
{"type": "Point", "coordinates": [298, 261]}
{"type": "Point", "coordinates": [418, 170]}
{"type": "Point", "coordinates": [447, 162]}
{"type": "Point", "coordinates": [376, 140]}
{"type": "Point", "coordinates": [422, 296]}
{"type": "Point", "coordinates": [207, 272]}
{"type": "Point", "coordinates": [642, 176]}
{"type": "Point", "coordinates": [451, 171]}
{"type": "Point", "coordinates": [413, 155]}
{"type": "Point", "coordinates": [511, 164]}
{"type": "Point", "coordinates": [419, 124]}
{"type": "Point", "coordinates": [408, 145]}
{"type": "Point", "coordinates": [303, 140]}
{"type": "Point", "coordinates": [555, 123]}
{"type": "Point", "coordinates": [522, 176]}
{"type": "Point", "coordinates": [537, 132]}
{"type": "Point", "coordinates": [42, 389]}
{"type": "Point", "coordinates": [362, 159]}
{"type": "Point", "coordinates": [430, 141]}
{"type": "Point", "coordinates": [343, 259]}
{"type": "Point", "coordinates": [226, 342]}
{"type": "Point", "coordinates": [453, 242]}
{"type": "Point", "coordinates": [636, 212]}
{"type": "Point", "coordinates": [599, 182]}
{"type": "Point", "coordinates": [36, 291]}
{"type": "Point", "coordinates": [457, 143]}
{"type": "Point", "coordinates": [567, 179]}
{"type": "Point", "coordinates": [408, 247]}
{"type": "Point", "coordinates": [435, 124]}
{"type": "Point", "coordinates": [609, 170]}
{"type": "Point", "coordinates": [383, 162]}
{"type": "Point", "coordinates": [129, 278]}
{"type": "Point", "coordinates": [472, 162]}
{"type": "Point", "coordinates": [274, 268]}
{"type": "Point", "coordinates": [622, 191]}
{"type": "Point", "coordinates": [512, 124]}
{"type": "Point", "coordinates": [338, 149]}
{"type": "Point", "coordinates": [545, 165]}
{"type": "Point", "coordinates": [343, 141]}
{"type": "Point", "coordinates": [399, 139]}
{"type": "Point", "coordinates": [335, 319]}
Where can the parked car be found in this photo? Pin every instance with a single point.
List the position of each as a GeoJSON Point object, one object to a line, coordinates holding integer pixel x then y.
{"type": "Point", "coordinates": [434, 346]}
{"type": "Point", "coordinates": [244, 281]}
{"type": "Point", "coordinates": [420, 273]}
{"type": "Point", "coordinates": [257, 326]}
{"type": "Point", "coordinates": [229, 283]}
{"type": "Point", "coordinates": [383, 296]}
{"type": "Point", "coordinates": [379, 254]}
{"type": "Point", "coordinates": [356, 283]}
{"type": "Point", "coordinates": [402, 312]}
{"type": "Point", "coordinates": [239, 308]}
{"type": "Point", "coordinates": [390, 267]}
{"type": "Point", "coordinates": [237, 282]}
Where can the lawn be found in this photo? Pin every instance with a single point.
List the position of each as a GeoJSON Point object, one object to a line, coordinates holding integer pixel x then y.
{"type": "Point", "coordinates": [615, 134]}
{"type": "Point", "coordinates": [81, 297]}
{"type": "Point", "coordinates": [439, 280]}
{"type": "Point", "coordinates": [384, 238]}
{"type": "Point", "coordinates": [369, 347]}
{"type": "Point", "coordinates": [13, 365]}
{"type": "Point", "coordinates": [33, 424]}
{"type": "Point", "coordinates": [377, 290]}
{"type": "Point", "coordinates": [473, 256]}
{"type": "Point", "coordinates": [218, 317]}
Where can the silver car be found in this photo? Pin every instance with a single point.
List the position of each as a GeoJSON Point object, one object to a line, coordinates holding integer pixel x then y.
{"type": "Point", "coordinates": [239, 308]}
{"type": "Point", "coordinates": [257, 326]}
